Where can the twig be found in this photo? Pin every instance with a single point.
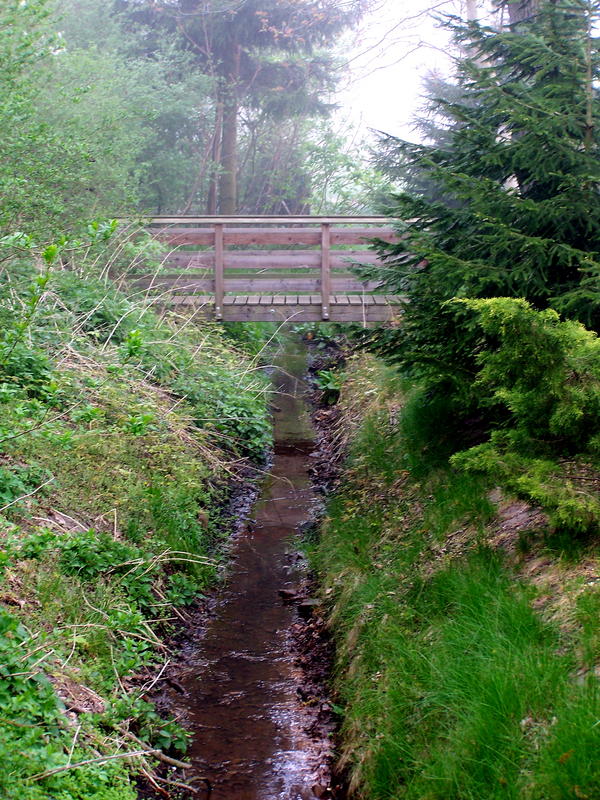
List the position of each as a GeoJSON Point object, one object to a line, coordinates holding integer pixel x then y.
{"type": "Point", "coordinates": [172, 762]}
{"type": "Point", "coordinates": [72, 748]}
{"type": "Point", "coordinates": [25, 496]}
{"type": "Point", "coordinates": [146, 689]}
{"type": "Point", "coordinates": [152, 781]}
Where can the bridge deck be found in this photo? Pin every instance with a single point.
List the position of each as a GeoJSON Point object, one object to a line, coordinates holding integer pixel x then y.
{"type": "Point", "coordinates": [272, 268]}
{"type": "Point", "coordinates": [298, 308]}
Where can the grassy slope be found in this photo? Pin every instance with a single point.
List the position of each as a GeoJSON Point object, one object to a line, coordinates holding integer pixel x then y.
{"type": "Point", "coordinates": [120, 434]}
{"type": "Point", "coordinates": [466, 663]}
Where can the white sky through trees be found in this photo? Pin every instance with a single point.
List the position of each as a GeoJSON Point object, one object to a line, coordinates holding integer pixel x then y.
{"type": "Point", "coordinates": [399, 43]}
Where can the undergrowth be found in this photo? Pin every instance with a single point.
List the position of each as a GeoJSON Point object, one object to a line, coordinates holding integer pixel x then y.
{"type": "Point", "coordinates": [122, 429]}
{"type": "Point", "coordinates": [457, 678]}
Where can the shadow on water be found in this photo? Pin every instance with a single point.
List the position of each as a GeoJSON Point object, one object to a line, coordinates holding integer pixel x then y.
{"type": "Point", "coordinates": [249, 734]}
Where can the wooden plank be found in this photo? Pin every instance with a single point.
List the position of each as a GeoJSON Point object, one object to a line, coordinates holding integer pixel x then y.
{"type": "Point", "coordinates": [269, 285]}
{"type": "Point", "coordinates": [219, 270]}
{"type": "Point", "coordinates": [176, 283]}
{"type": "Point", "coordinates": [354, 300]}
{"type": "Point", "coordinates": [315, 299]}
{"type": "Point", "coordinates": [240, 300]}
{"type": "Point", "coordinates": [304, 300]}
{"type": "Point", "coordinates": [184, 236]}
{"type": "Point", "coordinates": [274, 313]}
{"type": "Point", "coordinates": [253, 299]}
{"type": "Point", "coordinates": [189, 260]}
{"type": "Point", "coordinates": [251, 283]}
{"type": "Point", "coordinates": [341, 299]}
{"type": "Point", "coordinates": [291, 300]}
{"type": "Point", "coordinates": [363, 235]}
{"type": "Point", "coordinates": [273, 259]}
{"type": "Point", "coordinates": [271, 236]}
{"type": "Point", "coordinates": [343, 259]}
{"type": "Point", "coordinates": [266, 219]}
{"type": "Point", "coordinates": [228, 300]}
{"type": "Point", "coordinates": [279, 300]}
{"type": "Point", "coordinates": [353, 285]}
{"type": "Point", "coordinates": [325, 269]}
{"type": "Point", "coordinates": [262, 236]}
{"type": "Point", "coordinates": [365, 315]}
{"type": "Point", "coordinates": [379, 299]}
{"type": "Point", "coordinates": [266, 300]}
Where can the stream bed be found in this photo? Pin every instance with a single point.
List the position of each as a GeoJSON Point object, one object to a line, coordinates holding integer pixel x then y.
{"type": "Point", "coordinates": [242, 682]}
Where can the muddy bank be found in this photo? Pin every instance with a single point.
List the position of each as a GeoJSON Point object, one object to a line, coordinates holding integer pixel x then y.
{"type": "Point", "coordinates": [250, 685]}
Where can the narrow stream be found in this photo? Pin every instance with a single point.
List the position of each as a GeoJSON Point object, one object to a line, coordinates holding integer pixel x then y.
{"type": "Point", "coordinates": [241, 685]}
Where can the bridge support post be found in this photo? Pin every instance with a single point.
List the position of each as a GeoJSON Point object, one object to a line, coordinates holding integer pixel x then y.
{"type": "Point", "coordinates": [219, 270]}
{"type": "Point", "coordinates": [325, 269]}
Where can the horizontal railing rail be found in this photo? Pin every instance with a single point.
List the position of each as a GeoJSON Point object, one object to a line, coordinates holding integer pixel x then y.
{"type": "Point", "coordinates": [260, 255]}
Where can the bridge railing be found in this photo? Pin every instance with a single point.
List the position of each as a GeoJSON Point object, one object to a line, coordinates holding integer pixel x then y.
{"type": "Point", "coordinates": [259, 256]}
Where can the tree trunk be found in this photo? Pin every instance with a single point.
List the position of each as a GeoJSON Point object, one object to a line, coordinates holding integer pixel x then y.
{"type": "Point", "coordinates": [228, 182]}
{"type": "Point", "coordinates": [228, 200]}
{"type": "Point", "coordinates": [521, 10]}
{"type": "Point", "coordinates": [211, 205]}
{"type": "Point", "coordinates": [472, 14]}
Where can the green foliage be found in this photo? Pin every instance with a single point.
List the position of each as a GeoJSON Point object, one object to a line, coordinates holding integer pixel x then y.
{"type": "Point", "coordinates": [90, 554]}
{"type": "Point", "coordinates": [516, 208]}
{"type": "Point", "coordinates": [90, 127]}
{"type": "Point", "coordinates": [329, 382]}
{"type": "Point", "coordinates": [545, 372]}
{"type": "Point", "coordinates": [32, 724]}
{"type": "Point", "coordinates": [450, 685]}
{"type": "Point", "coordinates": [277, 83]}
{"type": "Point", "coordinates": [133, 423]}
{"type": "Point", "coordinates": [544, 375]}
{"type": "Point", "coordinates": [17, 481]}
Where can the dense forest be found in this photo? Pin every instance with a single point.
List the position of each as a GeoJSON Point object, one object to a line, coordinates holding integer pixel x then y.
{"type": "Point", "coordinates": [114, 109]}
{"type": "Point", "coordinates": [453, 599]}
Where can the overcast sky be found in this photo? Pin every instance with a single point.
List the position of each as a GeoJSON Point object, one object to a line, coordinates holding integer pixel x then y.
{"type": "Point", "coordinates": [398, 45]}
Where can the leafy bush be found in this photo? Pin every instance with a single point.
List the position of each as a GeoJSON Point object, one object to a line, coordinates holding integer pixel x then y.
{"type": "Point", "coordinates": [17, 481]}
{"type": "Point", "coordinates": [545, 372]}
{"type": "Point", "coordinates": [544, 376]}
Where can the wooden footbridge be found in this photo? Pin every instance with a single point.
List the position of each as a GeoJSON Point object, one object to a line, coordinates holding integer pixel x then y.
{"type": "Point", "coordinates": [272, 268]}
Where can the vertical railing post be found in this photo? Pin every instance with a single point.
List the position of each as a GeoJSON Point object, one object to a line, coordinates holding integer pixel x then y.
{"type": "Point", "coordinates": [325, 269]}
{"type": "Point", "coordinates": [219, 270]}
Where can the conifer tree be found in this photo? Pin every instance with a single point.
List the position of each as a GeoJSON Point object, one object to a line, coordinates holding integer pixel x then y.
{"type": "Point", "coordinates": [520, 210]}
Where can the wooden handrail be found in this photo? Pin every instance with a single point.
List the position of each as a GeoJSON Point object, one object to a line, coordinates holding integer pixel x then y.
{"type": "Point", "coordinates": [321, 235]}
{"type": "Point", "coordinates": [270, 220]}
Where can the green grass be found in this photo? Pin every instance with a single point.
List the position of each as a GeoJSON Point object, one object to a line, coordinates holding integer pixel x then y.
{"type": "Point", "coordinates": [452, 686]}
{"type": "Point", "coordinates": [120, 434]}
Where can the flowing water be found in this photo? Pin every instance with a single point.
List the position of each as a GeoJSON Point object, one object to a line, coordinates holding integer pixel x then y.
{"type": "Point", "coordinates": [248, 723]}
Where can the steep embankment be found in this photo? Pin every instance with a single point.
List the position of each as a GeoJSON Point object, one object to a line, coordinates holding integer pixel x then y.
{"type": "Point", "coordinates": [121, 435]}
{"type": "Point", "coordinates": [466, 633]}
